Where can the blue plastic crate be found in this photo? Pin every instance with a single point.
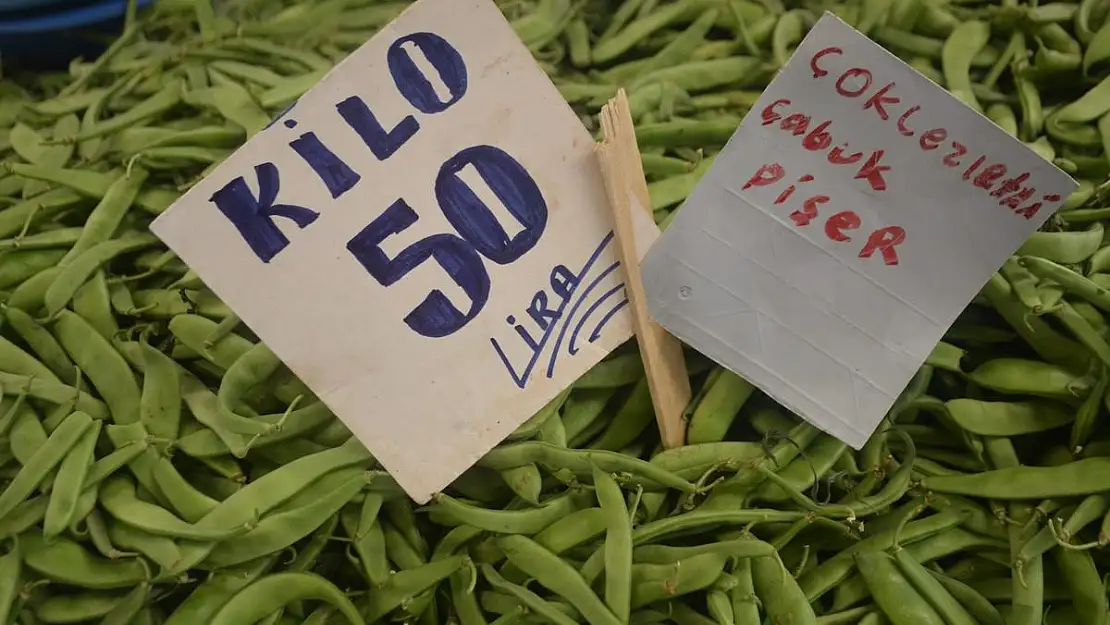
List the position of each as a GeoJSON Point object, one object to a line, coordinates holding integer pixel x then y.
{"type": "Point", "coordinates": [56, 31]}
{"type": "Point", "coordinates": [12, 9]}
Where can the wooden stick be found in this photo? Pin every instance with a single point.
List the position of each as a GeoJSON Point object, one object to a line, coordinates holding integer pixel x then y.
{"type": "Point", "coordinates": [662, 353]}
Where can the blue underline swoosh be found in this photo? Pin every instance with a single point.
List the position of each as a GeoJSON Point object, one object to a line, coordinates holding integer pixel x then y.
{"type": "Point", "coordinates": [521, 379]}
{"type": "Point", "coordinates": [572, 347]}
{"type": "Point", "coordinates": [565, 322]}
{"type": "Point", "coordinates": [605, 320]}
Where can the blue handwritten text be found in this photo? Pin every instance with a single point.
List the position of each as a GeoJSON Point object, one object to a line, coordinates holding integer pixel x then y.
{"type": "Point", "coordinates": [478, 237]}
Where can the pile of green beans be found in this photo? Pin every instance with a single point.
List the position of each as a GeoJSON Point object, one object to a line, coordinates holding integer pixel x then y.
{"type": "Point", "coordinates": [161, 466]}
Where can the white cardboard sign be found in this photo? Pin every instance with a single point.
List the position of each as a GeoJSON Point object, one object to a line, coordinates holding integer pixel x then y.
{"type": "Point", "coordinates": [424, 238]}
{"type": "Point", "coordinates": [853, 215]}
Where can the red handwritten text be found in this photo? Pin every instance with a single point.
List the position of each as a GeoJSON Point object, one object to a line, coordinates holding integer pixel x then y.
{"type": "Point", "coordinates": [819, 139]}
{"type": "Point", "coordinates": [982, 171]}
{"type": "Point", "coordinates": [838, 225]}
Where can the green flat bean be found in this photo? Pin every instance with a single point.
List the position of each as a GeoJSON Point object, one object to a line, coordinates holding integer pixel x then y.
{"type": "Point", "coordinates": [160, 550]}
{"type": "Point", "coordinates": [69, 482]}
{"type": "Point", "coordinates": [208, 598]}
{"type": "Point", "coordinates": [652, 583]}
{"type": "Point", "coordinates": [1030, 377]}
{"type": "Point", "coordinates": [1082, 477]}
{"type": "Point", "coordinates": [1008, 418]}
{"type": "Point", "coordinates": [52, 453]}
{"type": "Point", "coordinates": [724, 396]}
{"type": "Point", "coordinates": [68, 562]}
{"type": "Point", "coordinates": [782, 598]}
{"type": "Point", "coordinates": [553, 573]}
{"type": "Point", "coordinates": [76, 608]}
{"type": "Point", "coordinates": [11, 573]}
{"type": "Point", "coordinates": [105, 367]}
{"type": "Point", "coordinates": [894, 594]}
{"type": "Point", "coordinates": [618, 545]}
{"type": "Point", "coordinates": [271, 592]}
{"type": "Point", "coordinates": [280, 485]}
{"type": "Point", "coordinates": [404, 585]}
{"type": "Point", "coordinates": [117, 496]}
{"type": "Point", "coordinates": [581, 462]}
{"type": "Point", "coordinates": [527, 521]}
{"type": "Point", "coordinates": [1063, 247]}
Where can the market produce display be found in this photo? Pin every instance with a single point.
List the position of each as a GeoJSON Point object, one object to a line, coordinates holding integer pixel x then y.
{"type": "Point", "coordinates": [161, 466]}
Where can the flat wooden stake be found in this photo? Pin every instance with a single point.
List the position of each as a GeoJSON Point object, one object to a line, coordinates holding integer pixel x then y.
{"type": "Point", "coordinates": [662, 353]}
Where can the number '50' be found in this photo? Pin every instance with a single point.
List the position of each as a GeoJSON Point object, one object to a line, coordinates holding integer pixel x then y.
{"type": "Point", "coordinates": [479, 233]}
{"type": "Point", "coordinates": [412, 60]}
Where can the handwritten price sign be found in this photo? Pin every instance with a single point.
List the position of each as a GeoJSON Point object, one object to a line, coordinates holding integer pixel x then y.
{"type": "Point", "coordinates": [423, 238]}
{"type": "Point", "coordinates": [853, 215]}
